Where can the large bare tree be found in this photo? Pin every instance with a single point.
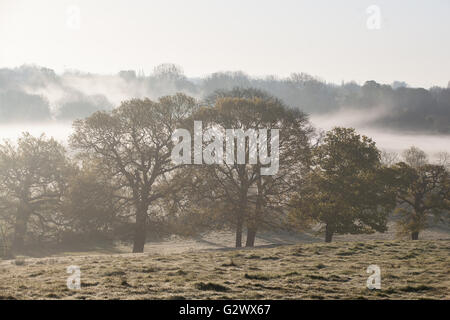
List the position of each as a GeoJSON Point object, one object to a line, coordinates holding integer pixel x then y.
{"type": "Point", "coordinates": [133, 145]}
{"type": "Point", "coordinates": [242, 195]}
{"type": "Point", "coordinates": [423, 191]}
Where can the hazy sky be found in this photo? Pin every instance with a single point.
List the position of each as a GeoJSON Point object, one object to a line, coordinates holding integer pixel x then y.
{"type": "Point", "coordinates": [329, 39]}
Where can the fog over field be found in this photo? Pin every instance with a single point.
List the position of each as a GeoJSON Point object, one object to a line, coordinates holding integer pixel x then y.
{"type": "Point", "coordinates": [37, 99]}
{"type": "Point", "coordinates": [224, 149]}
{"type": "Point", "coordinates": [389, 141]}
{"type": "Point", "coordinates": [59, 131]}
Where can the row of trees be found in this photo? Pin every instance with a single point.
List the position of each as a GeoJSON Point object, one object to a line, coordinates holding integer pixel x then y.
{"type": "Point", "coordinates": [119, 179]}
{"type": "Point", "coordinates": [352, 188]}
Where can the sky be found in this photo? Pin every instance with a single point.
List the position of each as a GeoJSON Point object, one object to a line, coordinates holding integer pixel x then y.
{"type": "Point", "coordinates": [403, 40]}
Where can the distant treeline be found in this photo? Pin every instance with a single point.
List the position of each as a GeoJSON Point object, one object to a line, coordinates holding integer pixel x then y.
{"type": "Point", "coordinates": [31, 93]}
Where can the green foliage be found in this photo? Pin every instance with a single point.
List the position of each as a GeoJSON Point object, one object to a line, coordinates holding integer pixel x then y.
{"type": "Point", "coordinates": [346, 192]}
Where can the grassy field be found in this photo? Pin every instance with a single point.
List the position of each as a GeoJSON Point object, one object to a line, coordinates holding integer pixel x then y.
{"type": "Point", "coordinates": [409, 270]}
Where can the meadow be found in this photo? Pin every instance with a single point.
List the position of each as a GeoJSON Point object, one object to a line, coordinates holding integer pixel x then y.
{"type": "Point", "coordinates": [409, 270]}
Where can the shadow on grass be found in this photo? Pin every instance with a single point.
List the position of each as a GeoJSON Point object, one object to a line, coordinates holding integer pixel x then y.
{"type": "Point", "coordinates": [88, 248]}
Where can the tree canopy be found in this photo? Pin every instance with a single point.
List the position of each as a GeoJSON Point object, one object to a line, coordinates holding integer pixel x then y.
{"type": "Point", "coordinates": [345, 191]}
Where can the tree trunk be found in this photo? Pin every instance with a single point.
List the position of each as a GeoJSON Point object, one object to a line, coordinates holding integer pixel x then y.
{"type": "Point", "coordinates": [20, 229]}
{"type": "Point", "coordinates": [18, 244]}
{"type": "Point", "coordinates": [251, 235]}
{"type": "Point", "coordinates": [415, 235]}
{"type": "Point", "coordinates": [140, 230]}
{"type": "Point", "coordinates": [328, 234]}
{"type": "Point", "coordinates": [240, 218]}
{"type": "Point", "coordinates": [239, 232]}
{"type": "Point", "coordinates": [252, 224]}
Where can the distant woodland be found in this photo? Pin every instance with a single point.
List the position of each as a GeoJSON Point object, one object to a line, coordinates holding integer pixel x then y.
{"type": "Point", "coordinates": [37, 94]}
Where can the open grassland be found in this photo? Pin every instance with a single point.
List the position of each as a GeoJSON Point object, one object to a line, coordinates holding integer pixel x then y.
{"type": "Point", "coordinates": [409, 270]}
